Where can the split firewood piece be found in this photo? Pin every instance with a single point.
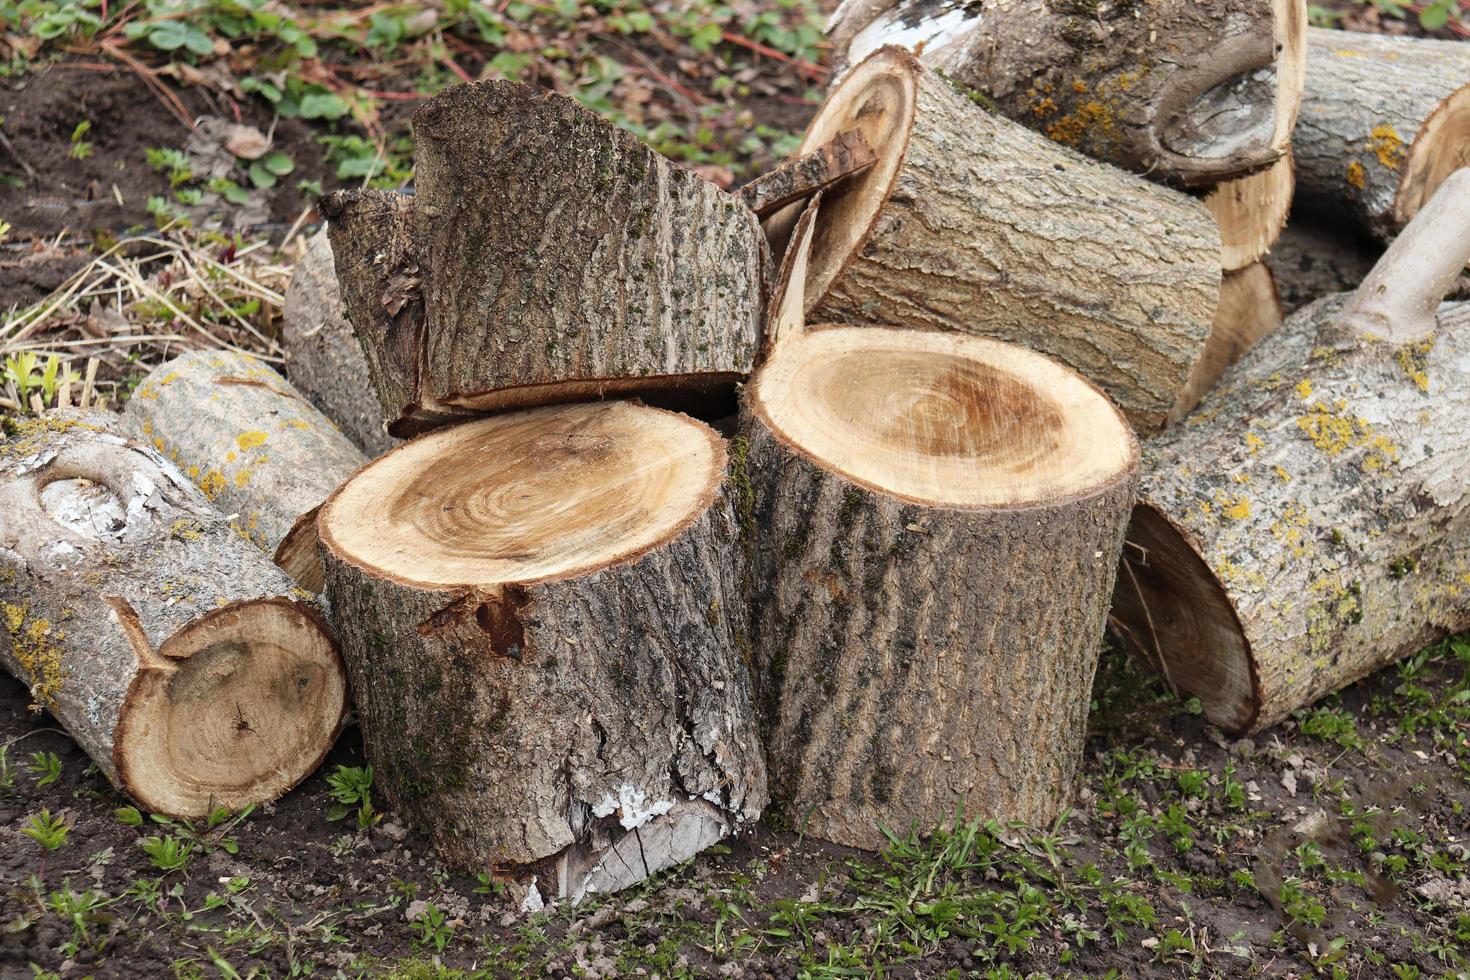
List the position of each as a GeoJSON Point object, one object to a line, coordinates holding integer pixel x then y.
{"type": "Point", "coordinates": [1312, 522]}
{"type": "Point", "coordinates": [1192, 93]}
{"type": "Point", "coordinates": [256, 447]}
{"type": "Point", "coordinates": [323, 357]}
{"type": "Point", "coordinates": [1251, 212]}
{"type": "Point", "coordinates": [1249, 310]}
{"type": "Point", "coordinates": [174, 652]}
{"type": "Point", "coordinates": [558, 258]}
{"type": "Point", "coordinates": [971, 222]}
{"type": "Point", "coordinates": [540, 615]}
{"type": "Point", "coordinates": [845, 154]}
{"type": "Point", "coordinates": [1385, 120]}
{"type": "Point", "coordinates": [934, 522]}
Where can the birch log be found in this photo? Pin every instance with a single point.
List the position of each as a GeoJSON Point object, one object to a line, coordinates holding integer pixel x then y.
{"type": "Point", "coordinates": [1190, 91]}
{"type": "Point", "coordinates": [1384, 121]}
{"type": "Point", "coordinates": [969, 222]}
{"type": "Point", "coordinates": [179, 658]}
{"type": "Point", "coordinates": [540, 617]}
{"type": "Point", "coordinates": [1312, 522]}
{"type": "Point", "coordinates": [256, 447]}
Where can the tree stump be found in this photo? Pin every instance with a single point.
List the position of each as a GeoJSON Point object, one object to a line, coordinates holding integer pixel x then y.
{"type": "Point", "coordinates": [1385, 120]}
{"type": "Point", "coordinates": [970, 222]}
{"type": "Point", "coordinates": [256, 447]}
{"type": "Point", "coordinates": [1312, 522]}
{"type": "Point", "coordinates": [1249, 310]}
{"type": "Point", "coordinates": [1189, 92]}
{"type": "Point", "coordinates": [541, 619]}
{"type": "Point", "coordinates": [1252, 212]}
{"type": "Point", "coordinates": [933, 523]}
{"type": "Point", "coordinates": [323, 358]}
{"type": "Point", "coordinates": [179, 658]}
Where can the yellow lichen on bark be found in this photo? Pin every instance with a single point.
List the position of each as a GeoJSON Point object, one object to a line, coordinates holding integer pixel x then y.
{"type": "Point", "coordinates": [37, 646]}
{"type": "Point", "coordinates": [1385, 143]}
{"type": "Point", "coordinates": [1356, 175]}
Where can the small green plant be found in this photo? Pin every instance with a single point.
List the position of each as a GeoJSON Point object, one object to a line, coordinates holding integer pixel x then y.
{"type": "Point", "coordinates": [351, 789]}
{"type": "Point", "coordinates": [265, 172]}
{"type": "Point", "coordinates": [24, 376]}
{"type": "Point", "coordinates": [7, 778]}
{"type": "Point", "coordinates": [47, 766]}
{"type": "Point", "coordinates": [128, 816]}
{"type": "Point", "coordinates": [80, 910]}
{"type": "Point", "coordinates": [1331, 725]}
{"type": "Point", "coordinates": [47, 830]}
{"type": "Point", "coordinates": [167, 852]}
{"type": "Point", "coordinates": [171, 162]}
{"type": "Point", "coordinates": [80, 148]}
{"type": "Point", "coordinates": [433, 929]}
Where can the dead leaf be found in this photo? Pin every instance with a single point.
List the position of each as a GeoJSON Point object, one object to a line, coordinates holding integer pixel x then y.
{"type": "Point", "coordinates": [246, 142]}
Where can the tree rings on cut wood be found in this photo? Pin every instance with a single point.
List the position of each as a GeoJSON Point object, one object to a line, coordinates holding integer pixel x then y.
{"type": "Point", "coordinates": [1187, 91]}
{"type": "Point", "coordinates": [256, 447]}
{"type": "Point", "coordinates": [1384, 122]}
{"type": "Point", "coordinates": [1251, 212]}
{"type": "Point", "coordinates": [1249, 310]}
{"type": "Point", "coordinates": [973, 223]}
{"type": "Point", "coordinates": [934, 522]}
{"type": "Point", "coordinates": [541, 618]}
{"type": "Point", "coordinates": [179, 658]}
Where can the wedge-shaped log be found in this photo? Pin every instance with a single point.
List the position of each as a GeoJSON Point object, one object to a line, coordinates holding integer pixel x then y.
{"type": "Point", "coordinates": [540, 617]}
{"type": "Point", "coordinates": [971, 222]}
{"type": "Point", "coordinates": [1311, 523]}
{"type": "Point", "coordinates": [931, 526]}
{"type": "Point", "coordinates": [179, 658]}
{"type": "Point", "coordinates": [1252, 212]}
{"type": "Point", "coordinates": [323, 357]}
{"type": "Point", "coordinates": [256, 447]}
{"type": "Point", "coordinates": [1385, 120]}
{"type": "Point", "coordinates": [1249, 310]}
{"type": "Point", "coordinates": [1191, 92]}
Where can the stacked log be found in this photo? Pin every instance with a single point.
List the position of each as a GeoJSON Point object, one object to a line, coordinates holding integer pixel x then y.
{"type": "Point", "coordinates": [1249, 310]}
{"type": "Point", "coordinates": [541, 620]}
{"type": "Point", "coordinates": [1252, 212]}
{"type": "Point", "coordinates": [1312, 522]}
{"type": "Point", "coordinates": [971, 223]}
{"type": "Point", "coordinates": [1385, 120]}
{"type": "Point", "coordinates": [180, 659]}
{"type": "Point", "coordinates": [1193, 93]}
{"type": "Point", "coordinates": [256, 447]}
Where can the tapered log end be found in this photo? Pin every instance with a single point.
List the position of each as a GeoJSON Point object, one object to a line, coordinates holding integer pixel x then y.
{"type": "Point", "coordinates": [235, 709]}
{"type": "Point", "coordinates": [1252, 212]}
{"type": "Point", "coordinates": [1441, 147]}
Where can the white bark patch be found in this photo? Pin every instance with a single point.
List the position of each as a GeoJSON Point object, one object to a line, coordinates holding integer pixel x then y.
{"type": "Point", "coordinates": [86, 508]}
{"type": "Point", "coordinates": [628, 804]}
{"type": "Point", "coordinates": [934, 33]}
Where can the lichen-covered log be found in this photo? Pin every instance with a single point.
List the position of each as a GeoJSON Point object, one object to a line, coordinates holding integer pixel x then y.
{"type": "Point", "coordinates": [256, 447]}
{"type": "Point", "coordinates": [1310, 523]}
{"type": "Point", "coordinates": [1384, 121]}
{"type": "Point", "coordinates": [323, 358]}
{"type": "Point", "coordinates": [540, 616]}
{"type": "Point", "coordinates": [555, 258]}
{"type": "Point", "coordinates": [1249, 310]}
{"type": "Point", "coordinates": [1181, 90]}
{"type": "Point", "coordinates": [1251, 212]}
{"type": "Point", "coordinates": [180, 659]}
{"type": "Point", "coordinates": [970, 222]}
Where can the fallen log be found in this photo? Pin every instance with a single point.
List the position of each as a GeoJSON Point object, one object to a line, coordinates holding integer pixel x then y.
{"type": "Point", "coordinates": [1384, 121]}
{"type": "Point", "coordinates": [1251, 212]}
{"type": "Point", "coordinates": [540, 616]}
{"type": "Point", "coordinates": [933, 525]}
{"type": "Point", "coordinates": [969, 222]}
{"type": "Point", "coordinates": [802, 176]}
{"type": "Point", "coordinates": [1312, 522]}
{"type": "Point", "coordinates": [256, 447]}
{"type": "Point", "coordinates": [1193, 93]}
{"type": "Point", "coordinates": [1249, 310]}
{"type": "Point", "coordinates": [323, 358]}
{"type": "Point", "coordinates": [175, 653]}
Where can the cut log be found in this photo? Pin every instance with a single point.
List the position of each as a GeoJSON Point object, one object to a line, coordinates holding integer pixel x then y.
{"type": "Point", "coordinates": [323, 358]}
{"type": "Point", "coordinates": [541, 620]}
{"type": "Point", "coordinates": [970, 222]}
{"type": "Point", "coordinates": [1251, 212]}
{"type": "Point", "coordinates": [179, 658]}
{"type": "Point", "coordinates": [253, 444]}
{"type": "Point", "coordinates": [557, 258]}
{"type": "Point", "coordinates": [1311, 522]}
{"type": "Point", "coordinates": [932, 525]}
{"type": "Point", "coordinates": [1190, 92]}
{"type": "Point", "coordinates": [1385, 120]}
{"type": "Point", "coordinates": [1249, 310]}
{"type": "Point", "coordinates": [801, 177]}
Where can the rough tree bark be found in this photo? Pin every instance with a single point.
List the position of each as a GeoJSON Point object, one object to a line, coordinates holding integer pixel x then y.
{"type": "Point", "coordinates": [323, 358]}
{"type": "Point", "coordinates": [1312, 522]}
{"type": "Point", "coordinates": [802, 176]}
{"type": "Point", "coordinates": [931, 523]}
{"type": "Point", "coordinates": [1384, 121]}
{"type": "Point", "coordinates": [1252, 212]}
{"type": "Point", "coordinates": [1184, 91]}
{"type": "Point", "coordinates": [969, 222]}
{"type": "Point", "coordinates": [1249, 310]}
{"type": "Point", "coordinates": [256, 447]}
{"type": "Point", "coordinates": [179, 658]}
{"type": "Point", "coordinates": [541, 620]}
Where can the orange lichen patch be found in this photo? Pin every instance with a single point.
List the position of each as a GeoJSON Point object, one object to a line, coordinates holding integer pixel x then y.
{"type": "Point", "coordinates": [1045, 107]}
{"type": "Point", "coordinates": [1333, 431]}
{"type": "Point", "coordinates": [1236, 508]}
{"type": "Point", "coordinates": [251, 439]}
{"type": "Point", "coordinates": [212, 482]}
{"type": "Point", "coordinates": [1384, 143]}
{"type": "Point", "coordinates": [1093, 118]}
{"type": "Point", "coordinates": [1356, 175]}
{"type": "Point", "coordinates": [1079, 86]}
